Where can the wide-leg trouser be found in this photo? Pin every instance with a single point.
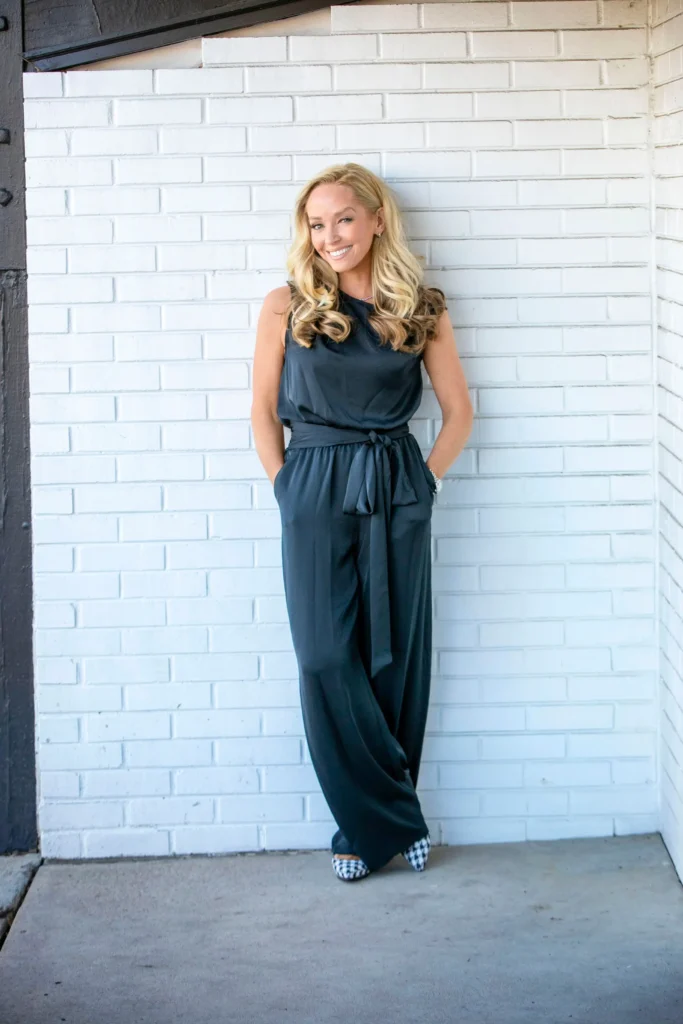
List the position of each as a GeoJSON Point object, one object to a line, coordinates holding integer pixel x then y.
{"type": "Point", "coordinates": [364, 728]}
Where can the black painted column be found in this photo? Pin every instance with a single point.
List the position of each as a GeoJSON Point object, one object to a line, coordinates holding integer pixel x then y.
{"type": "Point", "coordinates": [18, 830]}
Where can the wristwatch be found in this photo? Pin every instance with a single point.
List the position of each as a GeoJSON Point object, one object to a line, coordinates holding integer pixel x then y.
{"type": "Point", "coordinates": [437, 480]}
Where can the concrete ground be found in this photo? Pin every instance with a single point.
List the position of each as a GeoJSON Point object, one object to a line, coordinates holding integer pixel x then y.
{"type": "Point", "coordinates": [16, 873]}
{"type": "Point", "coordinates": [588, 931]}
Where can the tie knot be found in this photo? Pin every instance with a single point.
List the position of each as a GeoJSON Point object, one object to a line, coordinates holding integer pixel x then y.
{"type": "Point", "coordinates": [375, 438]}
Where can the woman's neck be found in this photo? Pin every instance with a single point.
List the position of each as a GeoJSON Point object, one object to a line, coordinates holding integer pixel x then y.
{"type": "Point", "coordinates": [359, 287]}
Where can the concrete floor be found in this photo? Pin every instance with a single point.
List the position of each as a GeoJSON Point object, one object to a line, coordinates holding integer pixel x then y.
{"type": "Point", "coordinates": [16, 873]}
{"type": "Point", "coordinates": [587, 930]}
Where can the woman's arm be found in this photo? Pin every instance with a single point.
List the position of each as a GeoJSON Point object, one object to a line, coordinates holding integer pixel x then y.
{"type": "Point", "coordinates": [445, 371]}
{"type": "Point", "coordinates": [268, 363]}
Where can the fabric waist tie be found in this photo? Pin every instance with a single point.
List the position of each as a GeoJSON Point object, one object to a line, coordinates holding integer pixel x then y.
{"type": "Point", "coordinates": [371, 490]}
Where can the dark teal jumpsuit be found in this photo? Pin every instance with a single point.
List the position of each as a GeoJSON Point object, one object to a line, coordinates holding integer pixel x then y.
{"type": "Point", "coordinates": [355, 498]}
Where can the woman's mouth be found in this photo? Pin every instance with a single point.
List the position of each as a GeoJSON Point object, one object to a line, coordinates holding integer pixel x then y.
{"type": "Point", "coordinates": [339, 254]}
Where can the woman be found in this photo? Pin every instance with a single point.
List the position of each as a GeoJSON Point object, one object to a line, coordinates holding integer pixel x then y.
{"type": "Point", "coordinates": [337, 360]}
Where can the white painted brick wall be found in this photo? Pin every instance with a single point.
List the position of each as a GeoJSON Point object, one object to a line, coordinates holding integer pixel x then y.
{"type": "Point", "coordinates": [667, 48]}
{"type": "Point", "coordinates": [167, 696]}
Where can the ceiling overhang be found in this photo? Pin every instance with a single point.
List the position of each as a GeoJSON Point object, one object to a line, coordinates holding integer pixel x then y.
{"type": "Point", "coordinates": [60, 35]}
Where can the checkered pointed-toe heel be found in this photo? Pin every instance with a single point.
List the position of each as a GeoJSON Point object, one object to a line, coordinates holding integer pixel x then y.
{"type": "Point", "coordinates": [418, 854]}
{"type": "Point", "coordinates": [349, 870]}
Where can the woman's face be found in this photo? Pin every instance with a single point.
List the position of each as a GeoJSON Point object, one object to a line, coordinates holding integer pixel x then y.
{"type": "Point", "coordinates": [341, 228]}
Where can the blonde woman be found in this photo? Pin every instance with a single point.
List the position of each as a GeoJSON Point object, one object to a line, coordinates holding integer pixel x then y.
{"type": "Point", "coordinates": [337, 360]}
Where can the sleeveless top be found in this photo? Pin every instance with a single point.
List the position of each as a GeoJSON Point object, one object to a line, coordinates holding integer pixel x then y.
{"type": "Point", "coordinates": [356, 383]}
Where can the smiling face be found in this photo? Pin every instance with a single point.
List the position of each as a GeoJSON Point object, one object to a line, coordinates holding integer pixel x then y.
{"type": "Point", "coordinates": [342, 229]}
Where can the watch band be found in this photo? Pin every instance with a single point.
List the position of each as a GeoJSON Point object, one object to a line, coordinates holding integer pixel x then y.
{"type": "Point", "coordinates": [437, 479]}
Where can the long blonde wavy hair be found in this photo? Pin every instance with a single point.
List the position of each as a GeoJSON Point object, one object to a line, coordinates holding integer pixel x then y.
{"type": "Point", "coordinates": [405, 312]}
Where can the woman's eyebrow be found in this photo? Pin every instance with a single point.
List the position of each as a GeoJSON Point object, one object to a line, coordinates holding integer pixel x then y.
{"type": "Point", "coordinates": [336, 214]}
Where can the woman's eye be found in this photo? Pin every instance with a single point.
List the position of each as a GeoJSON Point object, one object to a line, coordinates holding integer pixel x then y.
{"type": "Point", "coordinates": [320, 225]}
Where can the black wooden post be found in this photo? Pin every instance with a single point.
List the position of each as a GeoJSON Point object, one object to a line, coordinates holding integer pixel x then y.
{"type": "Point", "coordinates": [18, 831]}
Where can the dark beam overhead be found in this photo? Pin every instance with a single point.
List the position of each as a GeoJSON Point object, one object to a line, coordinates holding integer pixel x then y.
{"type": "Point", "coordinates": [64, 33]}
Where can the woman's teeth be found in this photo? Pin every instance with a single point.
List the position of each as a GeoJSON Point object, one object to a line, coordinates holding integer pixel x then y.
{"type": "Point", "coordinates": [338, 253]}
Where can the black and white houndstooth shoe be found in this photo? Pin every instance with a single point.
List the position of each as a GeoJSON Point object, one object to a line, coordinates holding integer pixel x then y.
{"type": "Point", "coordinates": [349, 870]}
{"type": "Point", "coordinates": [418, 854]}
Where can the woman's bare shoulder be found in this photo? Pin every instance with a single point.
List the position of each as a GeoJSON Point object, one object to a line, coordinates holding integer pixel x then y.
{"type": "Point", "coordinates": [277, 299]}
{"type": "Point", "coordinates": [272, 323]}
